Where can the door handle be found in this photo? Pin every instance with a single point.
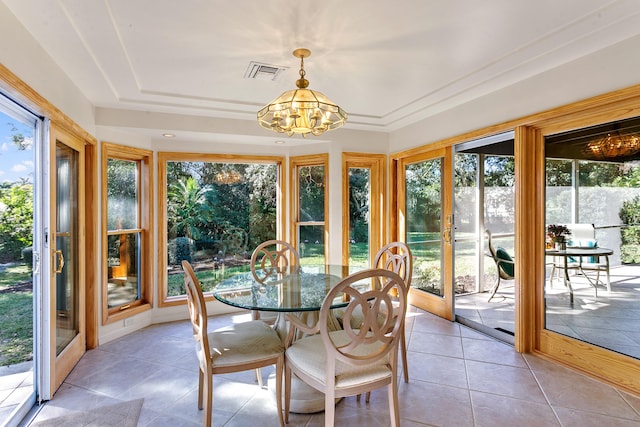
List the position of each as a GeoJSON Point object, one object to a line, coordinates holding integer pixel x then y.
{"type": "Point", "coordinates": [447, 235]}
{"type": "Point", "coordinates": [59, 261]}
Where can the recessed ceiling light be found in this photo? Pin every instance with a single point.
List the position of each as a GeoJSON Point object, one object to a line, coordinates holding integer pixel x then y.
{"type": "Point", "coordinates": [280, 141]}
{"type": "Point", "coordinates": [169, 135]}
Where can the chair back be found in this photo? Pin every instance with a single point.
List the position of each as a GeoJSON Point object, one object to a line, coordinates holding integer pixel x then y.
{"type": "Point", "coordinates": [273, 258]}
{"type": "Point", "coordinates": [397, 257]}
{"type": "Point", "coordinates": [377, 334]}
{"type": "Point", "coordinates": [197, 314]}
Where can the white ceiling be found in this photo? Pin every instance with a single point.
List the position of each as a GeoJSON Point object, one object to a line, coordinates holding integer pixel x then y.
{"type": "Point", "coordinates": [387, 63]}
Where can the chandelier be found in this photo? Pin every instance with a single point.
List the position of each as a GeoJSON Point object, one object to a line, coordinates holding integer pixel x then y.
{"type": "Point", "coordinates": [301, 110]}
{"type": "Point", "coordinates": [613, 146]}
{"type": "Point", "coordinates": [228, 177]}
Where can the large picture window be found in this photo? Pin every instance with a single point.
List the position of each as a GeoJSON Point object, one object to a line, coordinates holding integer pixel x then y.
{"type": "Point", "coordinates": [215, 211]}
{"type": "Point", "coordinates": [126, 238]}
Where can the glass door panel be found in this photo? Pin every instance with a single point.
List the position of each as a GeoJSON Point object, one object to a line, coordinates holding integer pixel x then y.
{"type": "Point", "coordinates": [592, 177]}
{"type": "Point", "coordinates": [67, 260]}
{"type": "Point", "coordinates": [20, 280]}
{"type": "Point", "coordinates": [66, 246]}
{"type": "Point", "coordinates": [484, 205]}
{"type": "Point", "coordinates": [426, 206]}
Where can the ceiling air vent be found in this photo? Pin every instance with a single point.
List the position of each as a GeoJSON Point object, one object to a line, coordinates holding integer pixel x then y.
{"type": "Point", "coordinates": [260, 71]}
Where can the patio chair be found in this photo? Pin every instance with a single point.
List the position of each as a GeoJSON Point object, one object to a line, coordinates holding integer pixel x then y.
{"type": "Point", "coordinates": [505, 264]}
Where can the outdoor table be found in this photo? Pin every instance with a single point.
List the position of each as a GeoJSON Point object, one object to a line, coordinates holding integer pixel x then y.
{"type": "Point", "coordinates": [570, 252]}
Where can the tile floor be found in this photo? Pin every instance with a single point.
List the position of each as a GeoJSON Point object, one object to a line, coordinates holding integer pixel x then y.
{"type": "Point", "coordinates": [458, 377]}
{"type": "Point", "coordinates": [16, 385]}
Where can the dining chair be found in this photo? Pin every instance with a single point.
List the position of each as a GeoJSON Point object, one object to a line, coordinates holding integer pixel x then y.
{"type": "Point", "coordinates": [397, 257]}
{"type": "Point", "coordinates": [351, 361]}
{"type": "Point", "coordinates": [235, 348]}
{"type": "Point", "coordinates": [269, 260]}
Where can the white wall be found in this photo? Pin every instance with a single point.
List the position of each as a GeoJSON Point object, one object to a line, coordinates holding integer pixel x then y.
{"type": "Point", "coordinates": [613, 68]}
{"type": "Point", "coordinates": [20, 53]}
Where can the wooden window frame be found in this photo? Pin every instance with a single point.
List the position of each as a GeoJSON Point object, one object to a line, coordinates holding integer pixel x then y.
{"type": "Point", "coordinates": [294, 164]}
{"type": "Point", "coordinates": [376, 163]}
{"type": "Point", "coordinates": [163, 158]}
{"type": "Point", "coordinates": [144, 160]}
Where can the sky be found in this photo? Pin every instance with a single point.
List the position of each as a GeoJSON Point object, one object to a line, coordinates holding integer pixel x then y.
{"type": "Point", "coordinates": [15, 164]}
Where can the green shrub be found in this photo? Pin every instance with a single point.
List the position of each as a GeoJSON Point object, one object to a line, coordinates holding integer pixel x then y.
{"type": "Point", "coordinates": [630, 236]}
{"type": "Point", "coordinates": [27, 256]}
{"type": "Point", "coordinates": [181, 249]}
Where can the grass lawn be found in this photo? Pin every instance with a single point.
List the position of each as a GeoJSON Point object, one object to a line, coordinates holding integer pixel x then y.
{"type": "Point", "coordinates": [16, 315]}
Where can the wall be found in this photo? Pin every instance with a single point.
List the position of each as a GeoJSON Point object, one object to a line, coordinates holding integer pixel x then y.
{"type": "Point", "coordinates": [613, 68]}
{"type": "Point", "coordinates": [20, 53]}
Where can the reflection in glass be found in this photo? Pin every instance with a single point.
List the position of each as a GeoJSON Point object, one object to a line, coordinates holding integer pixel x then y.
{"type": "Point", "coordinates": [311, 185]}
{"type": "Point", "coordinates": [124, 285]}
{"type": "Point", "coordinates": [466, 220]}
{"type": "Point", "coordinates": [423, 211]}
{"type": "Point", "coordinates": [66, 246]}
{"type": "Point", "coordinates": [604, 196]}
{"type": "Point", "coordinates": [311, 244]}
{"type": "Point", "coordinates": [122, 191]}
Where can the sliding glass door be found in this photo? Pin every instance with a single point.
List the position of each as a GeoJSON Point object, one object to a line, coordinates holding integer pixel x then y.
{"type": "Point", "coordinates": [20, 280]}
{"type": "Point", "coordinates": [592, 188]}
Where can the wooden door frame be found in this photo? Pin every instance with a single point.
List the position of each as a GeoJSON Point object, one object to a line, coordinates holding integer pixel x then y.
{"type": "Point", "coordinates": [441, 306]}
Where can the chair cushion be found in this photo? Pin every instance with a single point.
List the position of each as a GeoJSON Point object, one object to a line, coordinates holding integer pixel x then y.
{"type": "Point", "coordinates": [244, 342]}
{"type": "Point", "coordinates": [507, 267]}
{"type": "Point", "coordinates": [308, 355]}
{"type": "Point", "coordinates": [584, 243]}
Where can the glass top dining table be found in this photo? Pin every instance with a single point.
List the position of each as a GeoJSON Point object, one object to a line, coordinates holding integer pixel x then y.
{"type": "Point", "coordinates": [294, 291]}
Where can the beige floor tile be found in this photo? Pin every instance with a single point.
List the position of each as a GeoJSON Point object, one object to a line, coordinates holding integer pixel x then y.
{"type": "Point", "coordinates": [458, 377]}
{"type": "Point", "coordinates": [492, 410]}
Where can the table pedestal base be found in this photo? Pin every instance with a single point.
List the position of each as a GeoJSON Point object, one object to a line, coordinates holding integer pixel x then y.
{"type": "Point", "coordinates": [304, 398]}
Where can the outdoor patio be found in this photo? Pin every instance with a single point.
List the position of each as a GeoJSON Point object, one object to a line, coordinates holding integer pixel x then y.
{"type": "Point", "coordinates": [611, 320]}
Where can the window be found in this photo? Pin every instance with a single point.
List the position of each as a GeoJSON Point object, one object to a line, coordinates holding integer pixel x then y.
{"type": "Point", "coordinates": [127, 217]}
{"type": "Point", "coordinates": [363, 198]}
{"type": "Point", "coordinates": [310, 207]}
{"type": "Point", "coordinates": [214, 210]}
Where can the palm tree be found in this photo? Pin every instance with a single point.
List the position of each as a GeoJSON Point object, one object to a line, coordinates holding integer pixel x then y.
{"type": "Point", "coordinates": [187, 208]}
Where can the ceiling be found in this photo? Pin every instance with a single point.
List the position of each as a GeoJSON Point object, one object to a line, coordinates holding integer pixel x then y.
{"type": "Point", "coordinates": [388, 64]}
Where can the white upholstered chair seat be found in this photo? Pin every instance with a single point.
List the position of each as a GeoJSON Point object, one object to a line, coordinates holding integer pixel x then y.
{"type": "Point", "coordinates": [308, 355]}
{"type": "Point", "coordinates": [242, 343]}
